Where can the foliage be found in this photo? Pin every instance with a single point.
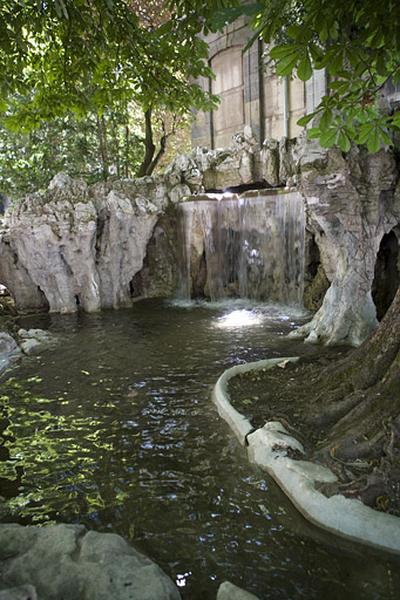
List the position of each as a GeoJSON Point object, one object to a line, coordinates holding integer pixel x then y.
{"type": "Point", "coordinates": [75, 55]}
{"type": "Point", "coordinates": [28, 161]}
{"type": "Point", "coordinates": [356, 41]}
{"type": "Point", "coordinates": [75, 60]}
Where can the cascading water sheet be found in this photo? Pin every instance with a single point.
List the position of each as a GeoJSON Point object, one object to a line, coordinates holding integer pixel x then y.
{"type": "Point", "coordinates": [248, 246]}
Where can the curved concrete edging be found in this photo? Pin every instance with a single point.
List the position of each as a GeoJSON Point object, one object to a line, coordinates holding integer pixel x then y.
{"type": "Point", "coordinates": [267, 447]}
{"type": "Point", "coordinates": [240, 426]}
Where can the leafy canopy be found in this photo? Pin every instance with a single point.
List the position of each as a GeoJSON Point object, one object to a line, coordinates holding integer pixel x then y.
{"type": "Point", "coordinates": [356, 41]}
{"type": "Point", "coordinates": [81, 56]}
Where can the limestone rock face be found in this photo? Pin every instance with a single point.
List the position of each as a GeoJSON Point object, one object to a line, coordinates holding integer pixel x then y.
{"type": "Point", "coordinates": [78, 246]}
{"type": "Point", "coordinates": [352, 201]}
{"type": "Point", "coordinates": [218, 169]}
{"type": "Point", "coordinates": [69, 562]}
{"type": "Point", "coordinates": [269, 162]}
{"type": "Point", "coordinates": [101, 246]}
{"type": "Point", "coordinates": [158, 277]}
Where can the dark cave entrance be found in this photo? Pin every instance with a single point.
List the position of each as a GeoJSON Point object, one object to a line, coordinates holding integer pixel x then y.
{"type": "Point", "coordinates": [387, 273]}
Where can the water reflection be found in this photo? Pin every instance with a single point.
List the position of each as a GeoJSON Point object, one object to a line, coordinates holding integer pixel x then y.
{"type": "Point", "coordinates": [114, 428]}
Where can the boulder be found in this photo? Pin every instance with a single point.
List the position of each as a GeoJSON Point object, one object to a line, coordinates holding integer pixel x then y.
{"type": "Point", "coordinates": [69, 562]}
{"type": "Point", "coordinates": [9, 350]}
{"type": "Point", "coordinates": [22, 592]}
{"type": "Point", "coordinates": [31, 340]}
{"type": "Point", "coordinates": [229, 591]}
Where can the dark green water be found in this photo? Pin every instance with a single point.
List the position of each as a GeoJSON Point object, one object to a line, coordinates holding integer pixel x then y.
{"type": "Point", "coordinates": [114, 427]}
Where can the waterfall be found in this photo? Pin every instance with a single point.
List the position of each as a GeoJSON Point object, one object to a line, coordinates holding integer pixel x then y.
{"type": "Point", "coordinates": [250, 246]}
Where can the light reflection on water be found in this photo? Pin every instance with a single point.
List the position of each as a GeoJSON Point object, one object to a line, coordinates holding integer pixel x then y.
{"type": "Point", "coordinates": [114, 428]}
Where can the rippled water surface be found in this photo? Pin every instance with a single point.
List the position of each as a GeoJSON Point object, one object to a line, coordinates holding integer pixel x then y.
{"type": "Point", "coordinates": [114, 427]}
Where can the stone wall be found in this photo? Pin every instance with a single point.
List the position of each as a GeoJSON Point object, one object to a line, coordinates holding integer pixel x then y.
{"type": "Point", "coordinates": [250, 92]}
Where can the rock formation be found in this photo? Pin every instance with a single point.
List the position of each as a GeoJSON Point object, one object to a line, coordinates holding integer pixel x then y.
{"type": "Point", "coordinates": [9, 350]}
{"type": "Point", "coordinates": [352, 201]}
{"type": "Point", "coordinates": [69, 562]}
{"type": "Point", "coordinates": [92, 247]}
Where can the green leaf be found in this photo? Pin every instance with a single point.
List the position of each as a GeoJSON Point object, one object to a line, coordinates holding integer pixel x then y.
{"type": "Point", "coordinates": [323, 32]}
{"type": "Point", "coordinates": [280, 52]}
{"type": "Point", "coordinates": [293, 31]}
{"type": "Point", "coordinates": [385, 137]}
{"type": "Point", "coordinates": [365, 132]}
{"type": "Point", "coordinates": [304, 70]}
{"type": "Point", "coordinates": [343, 141]}
{"type": "Point", "coordinates": [374, 141]}
{"type": "Point", "coordinates": [396, 119]}
{"type": "Point", "coordinates": [286, 65]}
{"type": "Point", "coordinates": [326, 119]}
{"type": "Point", "coordinates": [328, 137]}
{"type": "Point", "coordinates": [306, 119]}
{"type": "Point", "coordinates": [314, 133]}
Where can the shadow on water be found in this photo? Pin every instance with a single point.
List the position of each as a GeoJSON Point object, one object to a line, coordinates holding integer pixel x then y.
{"type": "Point", "coordinates": [114, 427]}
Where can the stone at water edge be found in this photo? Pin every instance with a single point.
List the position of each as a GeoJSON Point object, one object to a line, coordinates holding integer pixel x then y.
{"type": "Point", "coordinates": [69, 562]}
{"type": "Point", "coordinates": [31, 340]}
{"type": "Point", "coordinates": [23, 592]}
{"type": "Point", "coordinates": [9, 350]}
{"type": "Point", "coordinates": [228, 591]}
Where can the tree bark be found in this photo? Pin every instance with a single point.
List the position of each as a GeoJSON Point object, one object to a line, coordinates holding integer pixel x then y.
{"type": "Point", "coordinates": [160, 153]}
{"type": "Point", "coordinates": [127, 148]}
{"type": "Point", "coordinates": [149, 145]}
{"type": "Point", "coordinates": [356, 403]}
{"type": "Point", "coordinates": [102, 136]}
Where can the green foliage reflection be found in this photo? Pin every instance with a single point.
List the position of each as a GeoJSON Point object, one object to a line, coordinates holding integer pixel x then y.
{"type": "Point", "coordinates": [51, 458]}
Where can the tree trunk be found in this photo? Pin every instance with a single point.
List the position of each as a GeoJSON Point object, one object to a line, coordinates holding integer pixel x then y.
{"type": "Point", "coordinates": [160, 153]}
{"type": "Point", "coordinates": [357, 405]}
{"type": "Point", "coordinates": [127, 149]}
{"type": "Point", "coordinates": [102, 136]}
{"type": "Point", "coordinates": [149, 145]}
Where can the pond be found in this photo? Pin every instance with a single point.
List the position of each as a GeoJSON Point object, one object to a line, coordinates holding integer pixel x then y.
{"type": "Point", "coordinates": [113, 427]}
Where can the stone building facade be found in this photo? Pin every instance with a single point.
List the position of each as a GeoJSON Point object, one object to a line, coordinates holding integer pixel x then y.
{"type": "Point", "coordinates": [251, 93]}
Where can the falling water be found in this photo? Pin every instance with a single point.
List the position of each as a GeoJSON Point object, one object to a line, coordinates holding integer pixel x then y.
{"type": "Point", "coordinates": [243, 246]}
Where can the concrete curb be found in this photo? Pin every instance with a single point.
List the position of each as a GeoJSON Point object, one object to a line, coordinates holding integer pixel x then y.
{"type": "Point", "coordinates": [240, 426]}
{"type": "Point", "coordinates": [268, 448]}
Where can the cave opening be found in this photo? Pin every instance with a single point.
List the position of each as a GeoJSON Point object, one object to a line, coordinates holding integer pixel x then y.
{"type": "Point", "coordinates": [316, 282]}
{"type": "Point", "coordinates": [387, 273]}
{"type": "Point", "coordinates": [44, 303]}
